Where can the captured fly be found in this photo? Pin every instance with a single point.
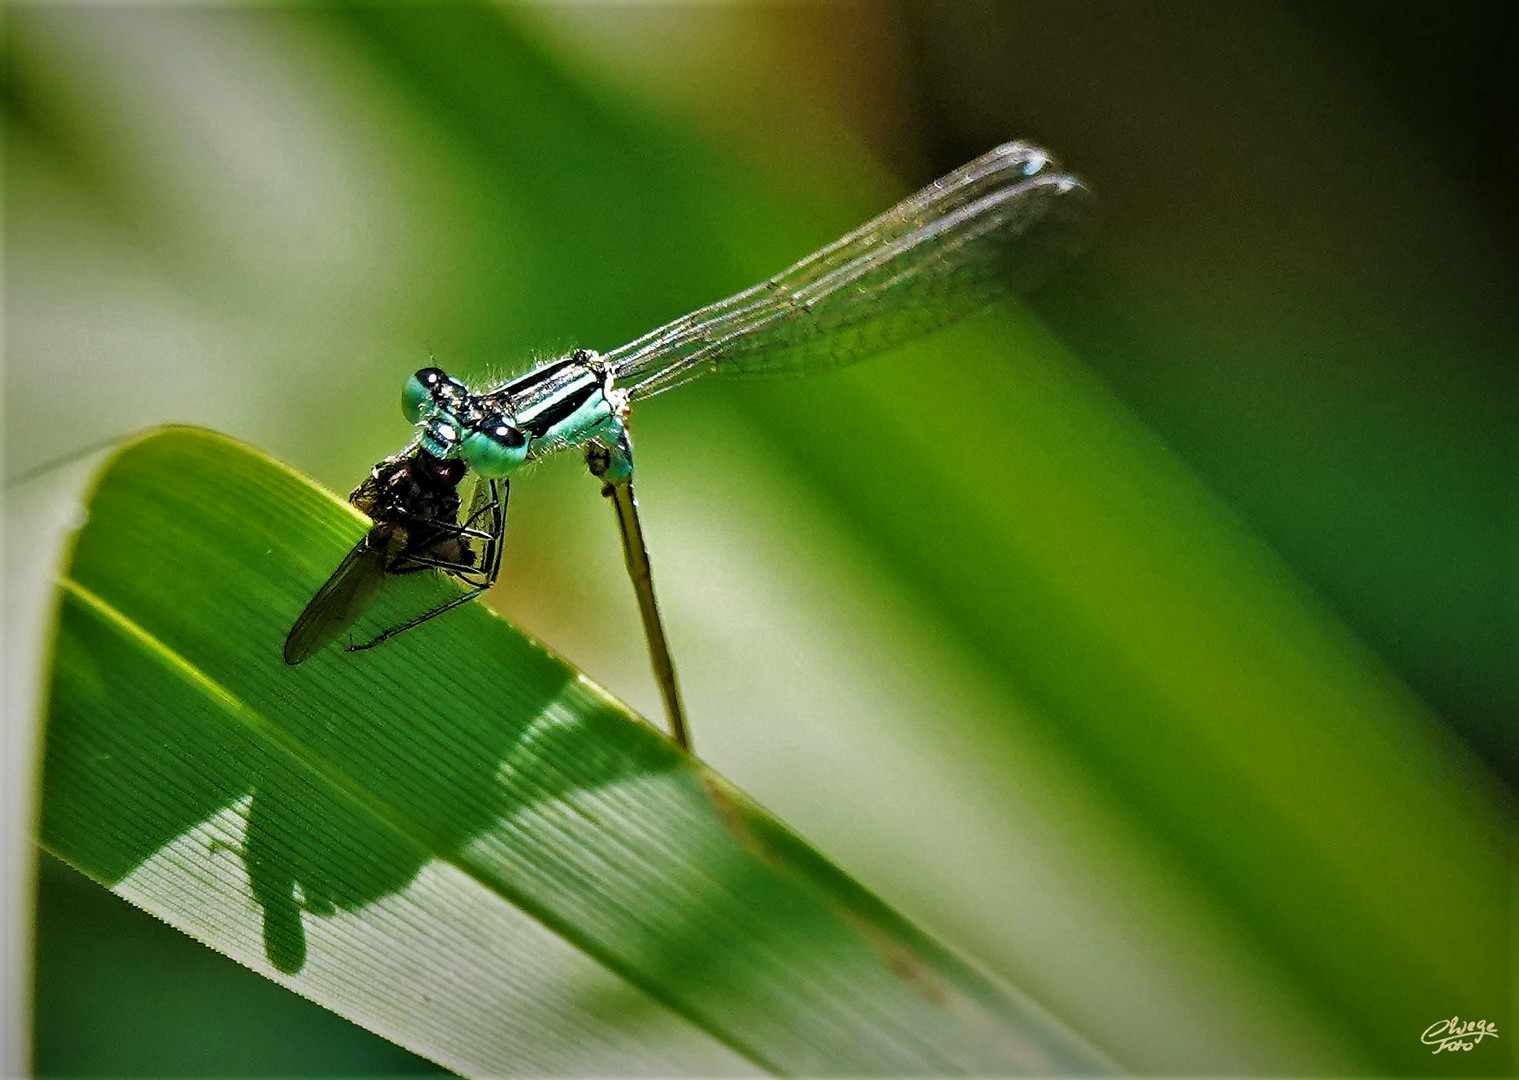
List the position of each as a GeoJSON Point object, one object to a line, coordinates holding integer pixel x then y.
{"type": "Point", "coordinates": [413, 499]}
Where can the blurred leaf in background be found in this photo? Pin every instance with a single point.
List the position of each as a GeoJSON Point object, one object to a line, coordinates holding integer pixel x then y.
{"type": "Point", "coordinates": [1150, 644]}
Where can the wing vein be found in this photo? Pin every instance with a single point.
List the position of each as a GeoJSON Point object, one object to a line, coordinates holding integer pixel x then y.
{"type": "Point", "coordinates": [993, 228]}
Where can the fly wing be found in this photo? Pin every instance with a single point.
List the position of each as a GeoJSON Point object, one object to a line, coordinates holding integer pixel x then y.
{"type": "Point", "coordinates": [997, 226]}
{"type": "Point", "coordinates": [342, 599]}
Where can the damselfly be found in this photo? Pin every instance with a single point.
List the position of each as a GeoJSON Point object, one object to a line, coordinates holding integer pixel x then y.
{"type": "Point", "coordinates": [992, 228]}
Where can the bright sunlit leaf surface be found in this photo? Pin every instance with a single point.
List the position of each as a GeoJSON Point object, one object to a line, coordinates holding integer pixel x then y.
{"type": "Point", "coordinates": [454, 840]}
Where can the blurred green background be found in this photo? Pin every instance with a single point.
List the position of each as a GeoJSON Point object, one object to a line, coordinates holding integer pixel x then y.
{"type": "Point", "coordinates": [1149, 657]}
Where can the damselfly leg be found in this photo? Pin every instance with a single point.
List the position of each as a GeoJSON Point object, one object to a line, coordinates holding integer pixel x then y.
{"type": "Point", "coordinates": [611, 461]}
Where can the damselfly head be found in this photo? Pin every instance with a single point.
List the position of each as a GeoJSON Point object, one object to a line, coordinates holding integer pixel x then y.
{"type": "Point", "coordinates": [439, 405]}
{"type": "Point", "coordinates": [462, 427]}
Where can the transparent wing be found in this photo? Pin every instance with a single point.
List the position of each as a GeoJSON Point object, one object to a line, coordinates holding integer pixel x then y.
{"type": "Point", "coordinates": [342, 599]}
{"type": "Point", "coordinates": [997, 226]}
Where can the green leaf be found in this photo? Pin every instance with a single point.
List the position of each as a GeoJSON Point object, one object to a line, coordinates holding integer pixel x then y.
{"type": "Point", "coordinates": [454, 840]}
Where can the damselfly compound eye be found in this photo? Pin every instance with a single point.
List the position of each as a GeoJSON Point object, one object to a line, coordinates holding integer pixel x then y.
{"type": "Point", "coordinates": [431, 389]}
{"type": "Point", "coordinates": [494, 448]}
{"type": "Point", "coordinates": [420, 392]}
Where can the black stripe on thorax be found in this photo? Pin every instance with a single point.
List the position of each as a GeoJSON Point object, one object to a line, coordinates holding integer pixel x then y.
{"type": "Point", "coordinates": [562, 407]}
{"type": "Point", "coordinates": [521, 386]}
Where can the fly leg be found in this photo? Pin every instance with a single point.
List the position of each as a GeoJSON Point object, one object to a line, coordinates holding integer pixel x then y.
{"type": "Point", "coordinates": [611, 462]}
